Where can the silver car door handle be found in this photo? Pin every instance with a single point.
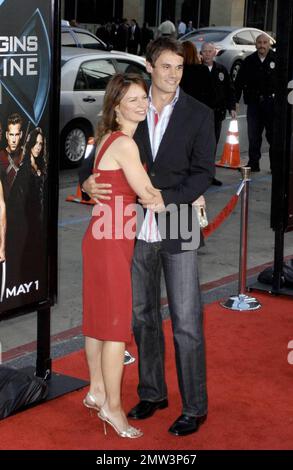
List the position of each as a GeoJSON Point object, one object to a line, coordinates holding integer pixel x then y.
{"type": "Point", "coordinates": [89, 99]}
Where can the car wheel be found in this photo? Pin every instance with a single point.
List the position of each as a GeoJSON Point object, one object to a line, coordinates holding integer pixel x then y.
{"type": "Point", "coordinates": [235, 70]}
{"type": "Point", "coordinates": [73, 144]}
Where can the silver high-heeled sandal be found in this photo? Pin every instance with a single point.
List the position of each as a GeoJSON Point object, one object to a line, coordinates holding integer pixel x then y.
{"type": "Point", "coordinates": [90, 402]}
{"type": "Point", "coordinates": [130, 431]}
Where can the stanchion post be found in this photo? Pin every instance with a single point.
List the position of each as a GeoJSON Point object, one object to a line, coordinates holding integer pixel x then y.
{"type": "Point", "coordinates": [245, 172]}
{"type": "Point", "coordinates": [242, 302]}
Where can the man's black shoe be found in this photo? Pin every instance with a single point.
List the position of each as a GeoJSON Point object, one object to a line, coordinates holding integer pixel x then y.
{"type": "Point", "coordinates": [216, 182]}
{"type": "Point", "coordinates": [145, 409]}
{"type": "Point", "coordinates": [185, 425]}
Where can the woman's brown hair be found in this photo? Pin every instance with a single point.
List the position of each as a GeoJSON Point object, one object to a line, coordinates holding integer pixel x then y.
{"type": "Point", "coordinates": [31, 141]}
{"type": "Point", "coordinates": [115, 91]}
{"type": "Point", "coordinates": [190, 53]}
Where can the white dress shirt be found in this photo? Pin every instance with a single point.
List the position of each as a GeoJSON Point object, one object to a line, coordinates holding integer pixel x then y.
{"type": "Point", "coordinates": [157, 125]}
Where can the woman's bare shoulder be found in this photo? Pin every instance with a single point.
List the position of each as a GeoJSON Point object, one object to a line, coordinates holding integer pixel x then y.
{"type": "Point", "coordinates": [125, 140]}
{"type": "Point", "coordinates": [124, 143]}
{"type": "Point", "coordinates": [125, 150]}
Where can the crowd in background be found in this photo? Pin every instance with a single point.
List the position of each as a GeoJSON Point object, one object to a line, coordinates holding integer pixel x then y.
{"type": "Point", "coordinates": [128, 36]}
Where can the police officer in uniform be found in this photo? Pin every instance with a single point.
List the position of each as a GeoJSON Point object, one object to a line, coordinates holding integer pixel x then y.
{"type": "Point", "coordinates": [222, 94]}
{"type": "Point", "coordinates": [257, 80]}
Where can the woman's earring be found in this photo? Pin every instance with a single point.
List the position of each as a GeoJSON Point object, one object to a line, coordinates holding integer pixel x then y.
{"type": "Point", "coordinates": [117, 117]}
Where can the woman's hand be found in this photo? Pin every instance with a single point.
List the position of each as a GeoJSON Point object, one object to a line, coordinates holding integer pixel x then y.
{"type": "Point", "coordinates": [200, 202]}
{"type": "Point", "coordinates": [154, 202]}
{"type": "Point", "coordinates": [96, 191]}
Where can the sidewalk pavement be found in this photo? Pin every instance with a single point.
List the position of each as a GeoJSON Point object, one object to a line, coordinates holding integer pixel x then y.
{"type": "Point", "coordinates": [218, 260]}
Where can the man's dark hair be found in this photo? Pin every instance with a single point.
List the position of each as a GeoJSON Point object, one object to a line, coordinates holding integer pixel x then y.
{"type": "Point", "coordinates": [13, 119]}
{"type": "Point", "coordinates": [161, 44]}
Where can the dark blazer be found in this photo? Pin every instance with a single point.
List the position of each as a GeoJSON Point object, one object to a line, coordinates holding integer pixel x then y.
{"type": "Point", "coordinates": [196, 82]}
{"type": "Point", "coordinates": [223, 90]}
{"type": "Point", "coordinates": [256, 78]}
{"type": "Point", "coordinates": [137, 35]}
{"type": "Point", "coordinates": [184, 165]}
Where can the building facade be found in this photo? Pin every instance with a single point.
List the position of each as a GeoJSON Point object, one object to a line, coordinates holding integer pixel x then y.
{"type": "Point", "coordinates": [256, 13]}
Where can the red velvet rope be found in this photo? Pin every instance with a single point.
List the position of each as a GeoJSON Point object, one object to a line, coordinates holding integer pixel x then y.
{"type": "Point", "coordinates": [219, 219]}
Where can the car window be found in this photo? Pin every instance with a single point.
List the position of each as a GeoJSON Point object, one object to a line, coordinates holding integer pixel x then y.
{"type": "Point", "coordinates": [244, 38]}
{"type": "Point", "coordinates": [215, 36]}
{"type": "Point", "coordinates": [255, 34]}
{"type": "Point", "coordinates": [127, 66]}
{"type": "Point", "coordinates": [67, 39]}
{"type": "Point", "coordinates": [94, 75]}
{"type": "Point", "coordinates": [88, 41]}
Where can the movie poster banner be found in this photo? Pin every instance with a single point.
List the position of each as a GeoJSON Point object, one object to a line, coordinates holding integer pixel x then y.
{"type": "Point", "coordinates": [26, 130]}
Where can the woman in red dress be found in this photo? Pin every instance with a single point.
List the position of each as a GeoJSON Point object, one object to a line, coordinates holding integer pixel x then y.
{"type": "Point", "coordinates": [108, 248]}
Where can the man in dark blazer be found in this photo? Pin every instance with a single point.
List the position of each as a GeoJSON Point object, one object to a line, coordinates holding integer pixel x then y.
{"type": "Point", "coordinates": [134, 37]}
{"type": "Point", "coordinates": [177, 143]}
{"type": "Point", "coordinates": [258, 81]}
{"type": "Point", "coordinates": [222, 92]}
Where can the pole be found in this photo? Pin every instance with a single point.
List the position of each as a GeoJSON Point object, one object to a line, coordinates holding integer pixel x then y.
{"type": "Point", "coordinates": [245, 14]}
{"type": "Point", "coordinates": [75, 9]}
{"type": "Point", "coordinates": [43, 365]}
{"type": "Point", "coordinates": [159, 12]}
{"type": "Point", "coordinates": [243, 231]}
{"type": "Point", "coordinates": [198, 13]}
{"type": "Point", "coordinates": [243, 302]}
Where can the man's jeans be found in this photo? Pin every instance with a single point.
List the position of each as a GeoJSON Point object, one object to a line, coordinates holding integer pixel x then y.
{"type": "Point", "coordinates": [185, 307]}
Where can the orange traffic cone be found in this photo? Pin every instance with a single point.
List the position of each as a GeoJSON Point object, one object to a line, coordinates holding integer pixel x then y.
{"type": "Point", "coordinates": [77, 197]}
{"type": "Point", "coordinates": [231, 153]}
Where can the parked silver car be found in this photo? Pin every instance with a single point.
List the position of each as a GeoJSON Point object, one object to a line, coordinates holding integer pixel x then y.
{"type": "Point", "coordinates": [84, 76]}
{"type": "Point", "coordinates": [72, 36]}
{"type": "Point", "coordinates": [233, 44]}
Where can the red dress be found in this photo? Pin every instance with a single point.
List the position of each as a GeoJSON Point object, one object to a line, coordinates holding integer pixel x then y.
{"type": "Point", "coordinates": [107, 256]}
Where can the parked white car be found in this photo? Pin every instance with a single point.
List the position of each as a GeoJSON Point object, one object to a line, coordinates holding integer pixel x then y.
{"type": "Point", "coordinates": [233, 43]}
{"type": "Point", "coordinates": [84, 76]}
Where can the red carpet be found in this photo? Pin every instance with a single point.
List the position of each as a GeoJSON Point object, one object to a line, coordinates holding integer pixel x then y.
{"type": "Point", "coordinates": [250, 385]}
